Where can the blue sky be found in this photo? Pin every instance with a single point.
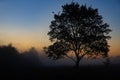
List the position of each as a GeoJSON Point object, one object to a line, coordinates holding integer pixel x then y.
{"type": "Point", "coordinates": [26, 22]}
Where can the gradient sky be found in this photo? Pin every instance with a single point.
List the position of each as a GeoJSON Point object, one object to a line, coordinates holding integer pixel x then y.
{"type": "Point", "coordinates": [25, 23]}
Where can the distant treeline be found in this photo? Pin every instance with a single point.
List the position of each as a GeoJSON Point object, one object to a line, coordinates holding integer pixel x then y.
{"type": "Point", "coordinates": [11, 58]}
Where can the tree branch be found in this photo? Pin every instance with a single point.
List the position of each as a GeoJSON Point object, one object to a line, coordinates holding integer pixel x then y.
{"type": "Point", "coordinates": [82, 55]}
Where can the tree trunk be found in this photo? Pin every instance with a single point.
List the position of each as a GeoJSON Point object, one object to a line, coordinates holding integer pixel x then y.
{"type": "Point", "coordinates": [78, 61]}
{"type": "Point", "coordinates": [77, 64]}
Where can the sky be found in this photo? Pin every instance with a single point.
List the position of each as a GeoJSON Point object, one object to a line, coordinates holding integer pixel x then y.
{"type": "Point", "coordinates": [25, 23]}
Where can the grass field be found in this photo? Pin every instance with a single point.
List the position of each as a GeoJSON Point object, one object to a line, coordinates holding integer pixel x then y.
{"type": "Point", "coordinates": [61, 73]}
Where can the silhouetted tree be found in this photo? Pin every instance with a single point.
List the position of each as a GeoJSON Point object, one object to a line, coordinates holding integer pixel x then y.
{"type": "Point", "coordinates": [79, 30]}
{"type": "Point", "coordinates": [8, 56]}
{"type": "Point", "coordinates": [30, 58]}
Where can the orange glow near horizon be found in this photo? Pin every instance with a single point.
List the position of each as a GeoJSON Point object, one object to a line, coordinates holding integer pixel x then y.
{"type": "Point", "coordinates": [114, 47]}
{"type": "Point", "coordinates": [26, 42]}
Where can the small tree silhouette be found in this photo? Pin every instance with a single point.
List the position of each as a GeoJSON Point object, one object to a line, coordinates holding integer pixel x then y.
{"type": "Point", "coordinates": [79, 30]}
{"type": "Point", "coordinates": [8, 56]}
{"type": "Point", "coordinates": [30, 58]}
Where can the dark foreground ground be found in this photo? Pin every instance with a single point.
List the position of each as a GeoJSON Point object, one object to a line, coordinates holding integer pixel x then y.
{"type": "Point", "coordinates": [60, 73]}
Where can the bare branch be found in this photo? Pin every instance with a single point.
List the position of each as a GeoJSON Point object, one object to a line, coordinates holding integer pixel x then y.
{"type": "Point", "coordinates": [82, 55]}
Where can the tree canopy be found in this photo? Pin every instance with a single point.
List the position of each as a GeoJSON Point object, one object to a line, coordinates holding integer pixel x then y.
{"type": "Point", "coordinates": [80, 30]}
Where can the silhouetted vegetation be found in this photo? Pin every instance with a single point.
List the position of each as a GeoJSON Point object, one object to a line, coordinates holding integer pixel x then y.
{"type": "Point", "coordinates": [79, 30]}
{"type": "Point", "coordinates": [11, 58]}
{"type": "Point", "coordinates": [27, 65]}
{"type": "Point", "coordinates": [30, 58]}
{"type": "Point", "coordinates": [8, 56]}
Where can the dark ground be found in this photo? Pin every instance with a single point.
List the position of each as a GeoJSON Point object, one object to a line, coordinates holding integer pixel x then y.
{"type": "Point", "coordinates": [60, 73]}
